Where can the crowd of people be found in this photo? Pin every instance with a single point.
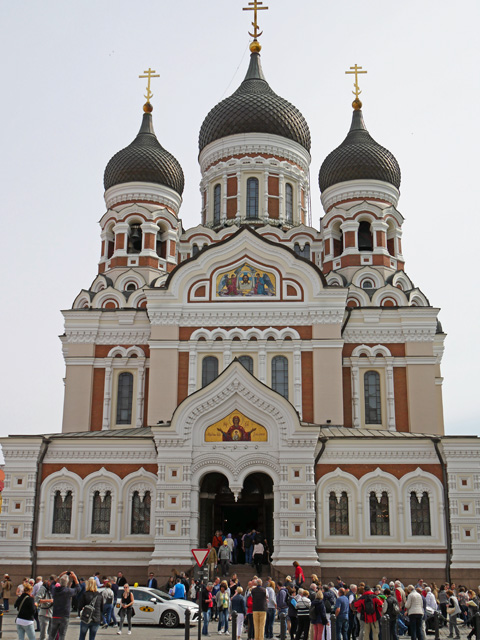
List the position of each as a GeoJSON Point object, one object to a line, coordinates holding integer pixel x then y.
{"type": "Point", "coordinates": [357, 609]}
{"type": "Point", "coordinates": [45, 605]}
{"type": "Point", "coordinates": [308, 606]}
{"type": "Point", "coordinates": [250, 547]}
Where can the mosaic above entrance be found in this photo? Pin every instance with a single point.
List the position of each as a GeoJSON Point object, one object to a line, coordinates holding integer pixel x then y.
{"type": "Point", "coordinates": [236, 428]}
{"type": "Point", "coordinates": [245, 281]}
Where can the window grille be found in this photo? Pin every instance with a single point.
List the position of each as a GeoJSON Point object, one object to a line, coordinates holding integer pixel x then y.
{"type": "Point", "coordinates": [373, 403]}
{"type": "Point", "coordinates": [217, 192]}
{"type": "Point", "coordinates": [195, 250]}
{"type": "Point", "coordinates": [62, 513]}
{"type": "Point", "coordinates": [379, 515]}
{"type": "Point", "coordinates": [338, 514]}
{"type": "Point", "coordinates": [141, 513]}
{"type": "Point", "coordinates": [101, 513]}
{"type": "Point", "coordinates": [209, 370]}
{"type": "Point", "coordinates": [280, 375]}
{"type": "Point", "coordinates": [252, 198]}
{"type": "Point", "coordinates": [247, 362]}
{"type": "Point", "coordinates": [125, 398]}
{"type": "Point", "coordinates": [289, 203]}
{"type": "Point", "coordinates": [365, 238]}
{"type": "Point", "coordinates": [420, 514]}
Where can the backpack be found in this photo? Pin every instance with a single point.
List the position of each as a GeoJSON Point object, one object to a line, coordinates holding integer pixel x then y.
{"type": "Point", "coordinates": [247, 541]}
{"type": "Point", "coordinates": [293, 602]}
{"type": "Point", "coordinates": [312, 613]}
{"type": "Point", "coordinates": [328, 605]}
{"type": "Point", "coordinates": [369, 605]}
{"type": "Point", "coordinates": [88, 611]}
{"type": "Point", "coordinates": [393, 609]}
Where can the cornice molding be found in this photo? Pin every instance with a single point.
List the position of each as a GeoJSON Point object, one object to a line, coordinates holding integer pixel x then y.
{"type": "Point", "coordinates": [239, 317]}
{"type": "Point", "coordinates": [389, 335]}
{"type": "Point", "coordinates": [112, 336]}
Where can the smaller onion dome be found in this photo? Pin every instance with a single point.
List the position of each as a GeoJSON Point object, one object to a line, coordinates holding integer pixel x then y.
{"type": "Point", "coordinates": [254, 108]}
{"type": "Point", "coordinates": [145, 160]}
{"type": "Point", "coordinates": [359, 157]}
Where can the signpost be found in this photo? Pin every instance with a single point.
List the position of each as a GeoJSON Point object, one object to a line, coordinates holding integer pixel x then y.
{"type": "Point", "coordinates": [200, 556]}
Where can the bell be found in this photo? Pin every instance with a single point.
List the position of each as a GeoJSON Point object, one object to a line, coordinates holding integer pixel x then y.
{"type": "Point", "coordinates": [135, 233]}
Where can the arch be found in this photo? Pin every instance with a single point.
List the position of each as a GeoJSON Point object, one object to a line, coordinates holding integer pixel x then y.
{"type": "Point", "coordinates": [371, 274]}
{"type": "Point", "coordinates": [365, 236]}
{"type": "Point", "coordinates": [378, 349]}
{"type": "Point", "coordinates": [337, 481]}
{"type": "Point", "coordinates": [247, 362]}
{"type": "Point", "coordinates": [135, 236]}
{"type": "Point", "coordinates": [397, 297]}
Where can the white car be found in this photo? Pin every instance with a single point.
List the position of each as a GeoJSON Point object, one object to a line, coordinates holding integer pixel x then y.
{"type": "Point", "coordinates": [156, 607]}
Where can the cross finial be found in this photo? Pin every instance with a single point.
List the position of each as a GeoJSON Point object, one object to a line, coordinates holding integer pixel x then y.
{"type": "Point", "coordinates": [150, 73]}
{"type": "Point", "coordinates": [356, 104]}
{"type": "Point", "coordinates": [255, 6]}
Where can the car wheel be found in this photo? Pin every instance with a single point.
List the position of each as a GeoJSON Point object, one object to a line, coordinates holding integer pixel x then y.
{"type": "Point", "coordinates": [170, 619]}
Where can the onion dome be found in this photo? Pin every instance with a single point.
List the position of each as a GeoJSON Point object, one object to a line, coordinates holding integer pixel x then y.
{"type": "Point", "coordinates": [145, 160]}
{"type": "Point", "coordinates": [255, 108]}
{"type": "Point", "coordinates": [359, 157]}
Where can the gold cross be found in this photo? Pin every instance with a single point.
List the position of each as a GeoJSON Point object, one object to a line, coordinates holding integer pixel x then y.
{"type": "Point", "coordinates": [150, 74]}
{"type": "Point", "coordinates": [356, 71]}
{"type": "Point", "coordinates": [255, 7]}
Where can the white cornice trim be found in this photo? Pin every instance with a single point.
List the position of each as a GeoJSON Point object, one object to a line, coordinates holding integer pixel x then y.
{"type": "Point", "coordinates": [359, 190]}
{"type": "Point", "coordinates": [238, 317]}
{"type": "Point", "coordinates": [248, 143]}
{"type": "Point", "coordinates": [149, 191]}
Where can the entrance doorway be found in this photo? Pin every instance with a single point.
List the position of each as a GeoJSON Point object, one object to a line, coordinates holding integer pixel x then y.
{"type": "Point", "coordinates": [219, 511]}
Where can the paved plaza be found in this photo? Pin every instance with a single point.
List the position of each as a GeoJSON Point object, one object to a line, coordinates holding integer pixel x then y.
{"type": "Point", "coordinates": [151, 632]}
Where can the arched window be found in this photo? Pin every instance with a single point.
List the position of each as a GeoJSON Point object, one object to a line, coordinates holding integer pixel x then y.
{"type": "Point", "coordinates": [124, 398]}
{"type": "Point", "coordinates": [379, 515]}
{"type": "Point", "coordinates": [365, 238]}
{"type": "Point", "coordinates": [247, 362]}
{"type": "Point", "coordinates": [303, 253]}
{"type": "Point", "coordinates": [367, 284]}
{"type": "Point", "coordinates": [338, 514]}
{"type": "Point", "coordinates": [217, 192]}
{"type": "Point", "coordinates": [195, 250]}
{"type": "Point", "coordinates": [141, 513]}
{"type": "Point", "coordinates": [101, 512]}
{"type": "Point", "coordinates": [289, 203]}
{"type": "Point", "coordinates": [252, 198]}
{"type": "Point", "coordinates": [62, 513]}
{"type": "Point", "coordinates": [134, 239]}
{"type": "Point", "coordinates": [209, 370]}
{"type": "Point", "coordinates": [280, 375]}
{"type": "Point", "coordinates": [160, 247]}
{"type": "Point", "coordinates": [373, 404]}
{"type": "Point", "coordinates": [420, 514]}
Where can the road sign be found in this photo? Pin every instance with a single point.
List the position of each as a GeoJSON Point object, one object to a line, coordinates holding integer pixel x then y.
{"type": "Point", "coordinates": [200, 556]}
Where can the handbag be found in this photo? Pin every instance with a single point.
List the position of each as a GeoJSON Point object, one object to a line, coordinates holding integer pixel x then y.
{"type": "Point", "coordinates": [451, 611]}
{"type": "Point", "coordinates": [88, 611]}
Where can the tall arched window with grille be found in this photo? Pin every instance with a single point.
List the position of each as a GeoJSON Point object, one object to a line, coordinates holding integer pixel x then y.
{"type": "Point", "coordinates": [379, 515]}
{"type": "Point", "coordinates": [247, 362]}
{"type": "Point", "coordinates": [217, 199]}
{"type": "Point", "coordinates": [141, 513]}
{"type": "Point", "coordinates": [420, 514]}
{"type": "Point", "coordinates": [209, 370]}
{"type": "Point", "coordinates": [373, 400]}
{"type": "Point", "coordinates": [280, 375]}
{"type": "Point", "coordinates": [125, 398]}
{"type": "Point", "coordinates": [252, 198]}
{"type": "Point", "coordinates": [289, 203]}
{"type": "Point", "coordinates": [338, 511]}
{"type": "Point", "coordinates": [102, 507]}
{"type": "Point", "coordinates": [62, 513]}
{"type": "Point", "coordinates": [365, 237]}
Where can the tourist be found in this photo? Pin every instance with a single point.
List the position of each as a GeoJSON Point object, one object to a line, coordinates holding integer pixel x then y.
{"type": "Point", "coordinates": [414, 608]}
{"type": "Point", "coordinates": [62, 596]}
{"type": "Point", "coordinates": [342, 607]}
{"type": "Point", "coordinates": [238, 604]}
{"type": "Point", "coordinates": [370, 609]}
{"type": "Point", "coordinates": [44, 602]}
{"type": "Point", "coordinates": [25, 621]}
{"type": "Point", "coordinates": [7, 592]}
{"type": "Point", "coordinates": [126, 609]}
{"type": "Point", "coordinates": [453, 610]}
{"type": "Point", "coordinates": [303, 615]}
{"type": "Point", "coordinates": [258, 551]}
{"type": "Point", "coordinates": [206, 606]}
{"type": "Point", "coordinates": [271, 608]}
{"type": "Point", "coordinates": [299, 576]}
{"type": "Point", "coordinates": [90, 618]}
{"type": "Point", "coordinates": [224, 557]}
{"type": "Point", "coordinates": [320, 621]}
{"type": "Point", "coordinates": [223, 607]}
{"type": "Point", "coordinates": [109, 601]}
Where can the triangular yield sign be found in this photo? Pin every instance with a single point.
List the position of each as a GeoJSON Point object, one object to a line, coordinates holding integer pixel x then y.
{"type": "Point", "coordinates": [200, 556]}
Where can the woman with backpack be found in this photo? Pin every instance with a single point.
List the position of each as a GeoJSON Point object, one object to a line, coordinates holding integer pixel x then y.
{"type": "Point", "coordinates": [318, 616]}
{"type": "Point", "coordinates": [292, 612]}
{"type": "Point", "coordinates": [391, 608]}
{"type": "Point", "coordinates": [90, 608]}
{"type": "Point", "coordinates": [108, 604]}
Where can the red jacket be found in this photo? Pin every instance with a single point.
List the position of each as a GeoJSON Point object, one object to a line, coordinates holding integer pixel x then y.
{"type": "Point", "coordinates": [360, 606]}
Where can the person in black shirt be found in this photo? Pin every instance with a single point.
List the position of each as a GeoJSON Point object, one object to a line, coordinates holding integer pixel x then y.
{"type": "Point", "coordinates": [25, 606]}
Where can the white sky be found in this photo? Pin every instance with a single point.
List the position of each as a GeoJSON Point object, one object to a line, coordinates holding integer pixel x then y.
{"type": "Point", "coordinates": [71, 99]}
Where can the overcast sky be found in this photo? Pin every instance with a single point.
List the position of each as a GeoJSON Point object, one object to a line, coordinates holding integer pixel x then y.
{"type": "Point", "coordinates": [71, 98]}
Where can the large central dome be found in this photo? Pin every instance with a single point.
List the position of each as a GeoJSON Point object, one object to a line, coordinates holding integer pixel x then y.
{"type": "Point", "coordinates": [255, 108]}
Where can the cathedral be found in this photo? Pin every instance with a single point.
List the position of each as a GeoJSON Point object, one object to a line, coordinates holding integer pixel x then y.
{"type": "Point", "coordinates": [254, 371]}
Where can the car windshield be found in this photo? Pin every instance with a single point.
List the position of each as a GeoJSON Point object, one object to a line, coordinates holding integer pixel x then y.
{"type": "Point", "coordinates": [162, 594]}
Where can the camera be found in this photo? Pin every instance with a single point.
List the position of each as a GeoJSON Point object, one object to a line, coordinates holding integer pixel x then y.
{"type": "Point", "coordinates": [69, 573]}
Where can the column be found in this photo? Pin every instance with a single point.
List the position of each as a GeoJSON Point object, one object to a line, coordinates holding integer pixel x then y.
{"type": "Point", "coordinates": [192, 369]}
{"type": "Point", "coordinates": [224, 198]}
{"type": "Point", "coordinates": [149, 239]}
{"type": "Point", "coordinates": [140, 392]}
{"type": "Point", "coordinates": [121, 238]}
{"type": "Point", "coordinates": [281, 197]}
{"type": "Point", "coordinates": [356, 418]}
{"type": "Point", "coordinates": [238, 217]}
{"type": "Point", "coordinates": [379, 226]}
{"type": "Point", "coordinates": [107, 394]}
{"type": "Point", "coordinates": [350, 236]}
{"type": "Point", "coordinates": [297, 377]}
{"type": "Point", "coordinates": [389, 385]}
{"type": "Point", "coordinates": [262, 361]}
{"type": "Point", "coordinates": [265, 196]}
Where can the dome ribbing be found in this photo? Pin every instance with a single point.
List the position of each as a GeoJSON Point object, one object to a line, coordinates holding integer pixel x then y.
{"type": "Point", "coordinates": [145, 160]}
{"type": "Point", "coordinates": [359, 157]}
{"type": "Point", "coordinates": [254, 108]}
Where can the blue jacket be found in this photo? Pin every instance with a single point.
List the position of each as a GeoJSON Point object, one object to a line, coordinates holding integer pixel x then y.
{"type": "Point", "coordinates": [238, 604]}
